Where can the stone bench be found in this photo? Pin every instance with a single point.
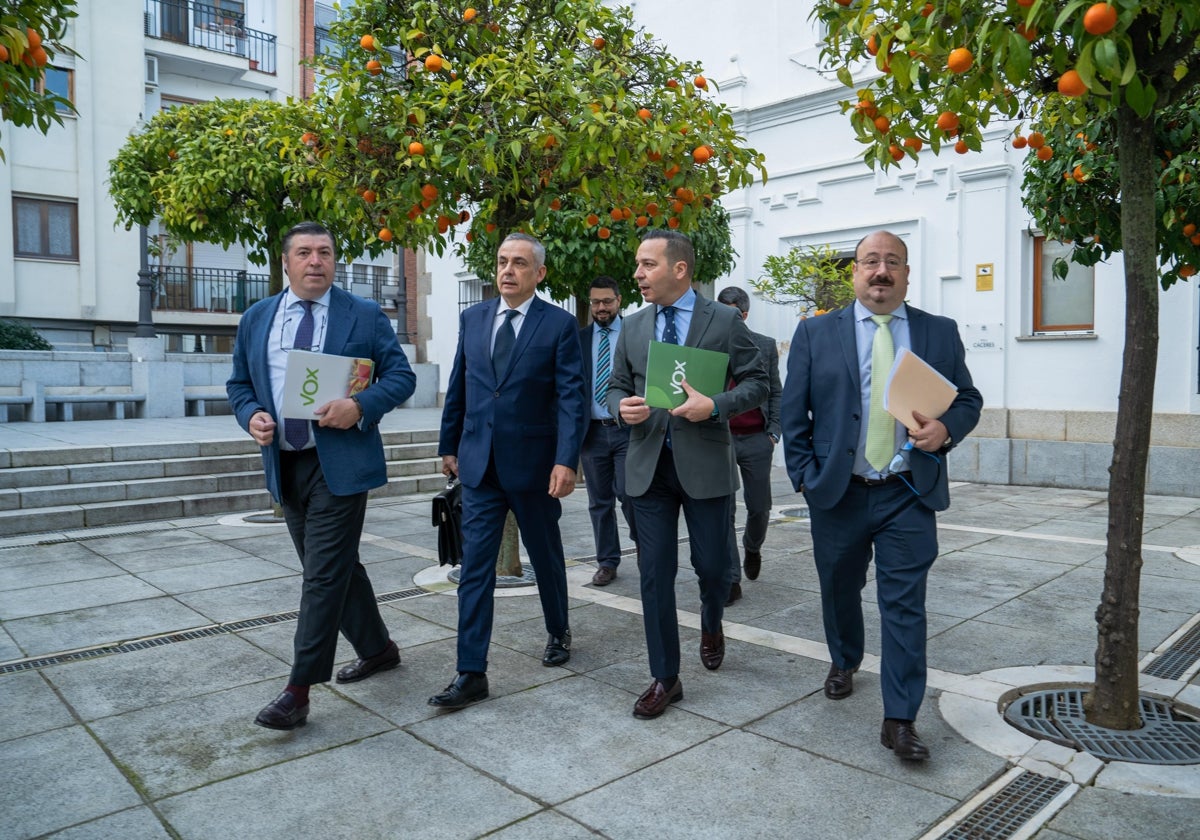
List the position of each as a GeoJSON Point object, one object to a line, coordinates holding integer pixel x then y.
{"type": "Point", "coordinates": [197, 397]}
{"type": "Point", "coordinates": [115, 400]}
{"type": "Point", "coordinates": [26, 401]}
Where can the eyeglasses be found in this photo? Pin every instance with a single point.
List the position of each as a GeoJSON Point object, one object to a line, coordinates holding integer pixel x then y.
{"type": "Point", "coordinates": [872, 263]}
{"type": "Point", "coordinates": [602, 302]}
{"type": "Point", "coordinates": [900, 465]}
{"type": "Point", "coordinates": [287, 336]}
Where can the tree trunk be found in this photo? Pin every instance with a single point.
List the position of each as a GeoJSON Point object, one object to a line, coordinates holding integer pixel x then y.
{"type": "Point", "coordinates": [1113, 702]}
{"type": "Point", "coordinates": [508, 561]}
{"type": "Point", "coordinates": [275, 265]}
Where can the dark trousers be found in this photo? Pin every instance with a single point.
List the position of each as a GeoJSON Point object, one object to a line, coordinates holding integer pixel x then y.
{"type": "Point", "coordinates": [484, 510]}
{"type": "Point", "coordinates": [603, 457]}
{"type": "Point", "coordinates": [657, 515]}
{"type": "Point", "coordinates": [336, 593]}
{"type": "Point", "coordinates": [903, 534]}
{"type": "Point", "coordinates": [753, 453]}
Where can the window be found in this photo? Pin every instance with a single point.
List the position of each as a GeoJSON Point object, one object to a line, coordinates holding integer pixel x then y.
{"type": "Point", "coordinates": [46, 229]}
{"type": "Point", "coordinates": [61, 83]}
{"type": "Point", "coordinates": [1061, 304]}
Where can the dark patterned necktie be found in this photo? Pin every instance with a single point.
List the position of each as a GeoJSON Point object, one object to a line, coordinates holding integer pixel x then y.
{"type": "Point", "coordinates": [296, 431]}
{"type": "Point", "coordinates": [669, 334]}
{"type": "Point", "coordinates": [603, 367]}
{"type": "Point", "coordinates": [506, 337]}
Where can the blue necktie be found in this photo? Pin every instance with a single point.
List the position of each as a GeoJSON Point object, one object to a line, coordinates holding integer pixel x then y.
{"type": "Point", "coordinates": [296, 431]}
{"type": "Point", "coordinates": [506, 337]}
{"type": "Point", "coordinates": [603, 367]}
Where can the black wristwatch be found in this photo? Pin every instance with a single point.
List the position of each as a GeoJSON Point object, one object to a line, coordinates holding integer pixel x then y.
{"type": "Point", "coordinates": [716, 415]}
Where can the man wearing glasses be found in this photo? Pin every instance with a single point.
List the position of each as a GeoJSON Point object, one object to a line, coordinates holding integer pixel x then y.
{"type": "Point", "coordinates": [607, 439]}
{"type": "Point", "coordinates": [866, 490]}
{"type": "Point", "coordinates": [321, 469]}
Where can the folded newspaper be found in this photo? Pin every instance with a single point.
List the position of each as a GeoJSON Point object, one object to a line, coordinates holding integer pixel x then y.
{"type": "Point", "coordinates": [314, 379]}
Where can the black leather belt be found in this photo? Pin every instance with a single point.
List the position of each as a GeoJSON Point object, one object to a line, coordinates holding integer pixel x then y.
{"type": "Point", "coordinates": [879, 482]}
{"type": "Point", "coordinates": [606, 422]}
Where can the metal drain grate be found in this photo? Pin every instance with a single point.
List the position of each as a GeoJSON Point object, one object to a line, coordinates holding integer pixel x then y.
{"type": "Point", "coordinates": [1166, 737]}
{"type": "Point", "coordinates": [1175, 661]}
{"type": "Point", "coordinates": [1010, 808]}
{"type": "Point", "coordinates": [182, 636]}
{"type": "Point", "coordinates": [76, 536]}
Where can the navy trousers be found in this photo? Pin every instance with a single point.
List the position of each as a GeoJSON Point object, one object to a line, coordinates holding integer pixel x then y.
{"type": "Point", "coordinates": [890, 522]}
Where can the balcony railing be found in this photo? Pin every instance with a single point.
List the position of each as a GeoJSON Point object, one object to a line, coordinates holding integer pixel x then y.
{"type": "Point", "coordinates": [182, 289]}
{"type": "Point", "coordinates": [209, 27]}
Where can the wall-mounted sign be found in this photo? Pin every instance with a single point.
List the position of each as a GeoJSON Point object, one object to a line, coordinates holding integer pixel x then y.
{"type": "Point", "coordinates": [983, 277]}
{"type": "Point", "coordinates": [983, 338]}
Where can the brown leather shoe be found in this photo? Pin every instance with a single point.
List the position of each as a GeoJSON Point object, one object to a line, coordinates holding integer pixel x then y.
{"type": "Point", "coordinates": [283, 713]}
{"type": "Point", "coordinates": [752, 564]}
{"type": "Point", "coordinates": [840, 683]}
{"type": "Point", "coordinates": [360, 669]}
{"type": "Point", "coordinates": [604, 576]}
{"type": "Point", "coordinates": [656, 698]}
{"type": "Point", "coordinates": [735, 594]}
{"type": "Point", "coordinates": [712, 650]}
{"type": "Point", "coordinates": [900, 736]}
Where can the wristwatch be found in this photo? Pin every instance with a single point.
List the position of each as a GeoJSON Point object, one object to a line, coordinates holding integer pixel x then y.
{"type": "Point", "coordinates": [716, 415]}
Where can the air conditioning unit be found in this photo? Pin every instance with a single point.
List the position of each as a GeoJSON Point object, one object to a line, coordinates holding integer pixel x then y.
{"type": "Point", "coordinates": [151, 72]}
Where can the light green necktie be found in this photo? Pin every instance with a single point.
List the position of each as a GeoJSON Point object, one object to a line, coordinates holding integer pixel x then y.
{"type": "Point", "coordinates": [881, 426]}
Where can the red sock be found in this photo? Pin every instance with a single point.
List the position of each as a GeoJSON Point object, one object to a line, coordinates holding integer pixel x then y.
{"type": "Point", "coordinates": [300, 692]}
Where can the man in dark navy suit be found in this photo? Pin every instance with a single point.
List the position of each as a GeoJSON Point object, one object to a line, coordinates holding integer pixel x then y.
{"type": "Point", "coordinates": [865, 490]}
{"type": "Point", "coordinates": [512, 428]}
{"type": "Point", "coordinates": [321, 469]}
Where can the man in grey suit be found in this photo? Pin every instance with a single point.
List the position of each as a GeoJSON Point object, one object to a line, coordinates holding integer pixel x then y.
{"type": "Point", "coordinates": [755, 433]}
{"type": "Point", "coordinates": [682, 458]}
{"type": "Point", "coordinates": [866, 492]}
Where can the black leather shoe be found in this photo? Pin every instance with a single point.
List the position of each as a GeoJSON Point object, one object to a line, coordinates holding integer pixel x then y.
{"type": "Point", "coordinates": [712, 650]}
{"type": "Point", "coordinates": [900, 736]}
{"type": "Point", "coordinates": [656, 698]}
{"type": "Point", "coordinates": [465, 690]}
{"type": "Point", "coordinates": [752, 565]}
{"type": "Point", "coordinates": [558, 650]}
{"type": "Point", "coordinates": [283, 713]}
{"type": "Point", "coordinates": [735, 594]}
{"type": "Point", "coordinates": [360, 669]}
{"type": "Point", "coordinates": [840, 682]}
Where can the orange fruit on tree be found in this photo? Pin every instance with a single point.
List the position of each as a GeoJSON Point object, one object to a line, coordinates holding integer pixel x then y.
{"type": "Point", "coordinates": [673, 222]}
{"type": "Point", "coordinates": [896, 152]}
{"type": "Point", "coordinates": [642, 221]}
{"type": "Point", "coordinates": [882, 124]}
{"type": "Point", "coordinates": [385, 235]}
{"type": "Point", "coordinates": [1071, 84]}
{"type": "Point", "coordinates": [493, 27]}
{"type": "Point", "coordinates": [644, 113]}
{"type": "Point", "coordinates": [490, 227]}
{"type": "Point", "coordinates": [947, 121]}
{"type": "Point", "coordinates": [429, 191]}
{"type": "Point", "coordinates": [867, 108]}
{"type": "Point", "coordinates": [443, 223]}
{"type": "Point", "coordinates": [1100, 19]}
{"type": "Point", "coordinates": [1045, 153]}
{"type": "Point", "coordinates": [3, 54]}
{"type": "Point", "coordinates": [1025, 4]}
{"type": "Point", "coordinates": [1189, 229]}
{"type": "Point", "coordinates": [927, 10]}
{"type": "Point", "coordinates": [426, 203]}
{"type": "Point", "coordinates": [1187, 270]}
{"type": "Point", "coordinates": [615, 214]}
{"type": "Point", "coordinates": [593, 220]}
{"type": "Point", "coordinates": [961, 147]}
{"type": "Point", "coordinates": [652, 209]}
{"type": "Point", "coordinates": [676, 206]}
{"type": "Point", "coordinates": [873, 45]}
{"type": "Point", "coordinates": [374, 67]}
{"type": "Point", "coordinates": [960, 60]}
{"type": "Point", "coordinates": [914, 143]}
{"type": "Point", "coordinates": [626, 213]}
{"type": "Point", "coordinates": [844, 2]}
{"type": "Point", "coordinates": [671, 172]}
{"type": "Point", "coordinates": [34, 38]}
{"type": "Point", "coordinates": [1036, 140]}
{"type": "Point", "coordinates": [369, 196]}
{"type": "Point", "coordinates": [672, 83]}
{"type": "Point", "coordinates": [604, 233]}
{"type": "Point", "coordinates": [549, 142]}
{"type": "Point", "coordinates": [599, 43]}
{"type": "Point", "coordinates": [433, 62]}
{"type": "Point", "coordinates": [700, 82]}
{"type": "Point", "coordinates": [469, 15]}
{"type": "Point", "coordinates": [416, 148]}
{"type": "Point", "coordinates": [1026, 32]}
{"type": "Point", "coordinates": [1195, 240]}
{"type": "Point", "coordinates": [1078, 174]}
{"type": "Point", "coordinates": [556, 204]}
{"type": "Point", "coordinates": [367, 42]}
{"type": "Point", "coordinates": [464, 216]}
{"type": "Point", "coordinates": [1019, 142]}
{"type": "Point", "coordinates": [701, 154]}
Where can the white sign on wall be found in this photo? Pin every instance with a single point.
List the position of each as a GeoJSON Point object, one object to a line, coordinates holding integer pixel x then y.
{"type": "Point", "coordinates": [983, 338]}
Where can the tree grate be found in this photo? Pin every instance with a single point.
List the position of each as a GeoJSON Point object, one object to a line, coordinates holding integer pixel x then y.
{"type": "Point", "coordinates": [1176, 660]}
{"type": "Point", "coordinates": [171, 638]}
{"type": "Point", "coordinates": [1167, 736]}
{"type": "Point", "coordinates": [1010, 808]}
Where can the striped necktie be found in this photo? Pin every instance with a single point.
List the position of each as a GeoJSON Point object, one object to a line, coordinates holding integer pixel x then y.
{"type": "Point", "coordinates": [603, 367]}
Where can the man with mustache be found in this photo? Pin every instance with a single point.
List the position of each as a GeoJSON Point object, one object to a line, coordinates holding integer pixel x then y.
{"type": "Point", "coordinates": [865, 493]}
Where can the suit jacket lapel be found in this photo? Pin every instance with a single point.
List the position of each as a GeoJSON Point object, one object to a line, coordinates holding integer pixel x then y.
{"type": "Point", "coordinates": [532, 318]}
{"type": "Point", "coordinates": [702, 315]}
{"type": "Point", "coordinates": [918, 335]}
{"type": "Point", "coordinates": [847, 337]}
{"type": "Point", "coordinates": [338, 322]}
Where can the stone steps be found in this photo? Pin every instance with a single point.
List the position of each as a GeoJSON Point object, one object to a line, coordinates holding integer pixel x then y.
{"type": "Point", "coordinates": [47, 490]}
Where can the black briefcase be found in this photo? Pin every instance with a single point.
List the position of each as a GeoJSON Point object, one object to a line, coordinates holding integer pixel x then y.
{"type": "Point", "coordinates": [447, 518]}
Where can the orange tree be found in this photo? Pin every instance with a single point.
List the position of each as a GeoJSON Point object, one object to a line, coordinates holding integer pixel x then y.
{"type": "Point", "coordinates": [574, 259]}
{"type": "Point", "coordinates": [237, 171]}
{"type": "Point", "coordinates": [1076, 72]}
{"type": "Point", "coordinates": [470, 121]}
{"type": "Point", "coordinates": [30, 33]}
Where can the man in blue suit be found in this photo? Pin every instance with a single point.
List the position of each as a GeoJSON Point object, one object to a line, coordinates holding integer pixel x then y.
{"type": "Point", "coordinates": [320, 470]}
{"type": "Point", "coordinates": [864, 490]}
{"type": "Point", "coordinates": [512, 426]}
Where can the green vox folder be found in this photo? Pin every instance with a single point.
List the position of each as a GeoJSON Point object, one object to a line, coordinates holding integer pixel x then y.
{"type": "Point", "coordinates": [667, 365]}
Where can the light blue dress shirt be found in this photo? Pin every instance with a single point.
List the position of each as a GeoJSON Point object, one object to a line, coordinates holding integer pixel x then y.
{"type": "Point", "coordinates": [683, 316]}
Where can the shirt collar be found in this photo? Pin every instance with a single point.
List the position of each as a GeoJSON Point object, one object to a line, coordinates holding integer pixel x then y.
{"type": "Point", "coordinates": [614, 327]}
{"type": "Point", "coordinates": [523, 308]}
{"type": "Point", "coordinates": [290, 299]}
{"type": "Point", "coordinates": [686, 301]}
{"type": "Point", "coordinates": [861, 313]}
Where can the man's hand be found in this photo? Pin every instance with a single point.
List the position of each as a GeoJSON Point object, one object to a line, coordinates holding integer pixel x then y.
{"type": "Point", "coordinates": [696, 407]}
{"type": "Point", "coordinates": [562, 481]}
{"type": "Point", "coordinates": [449, 465]}
{"type": "Point", "coordinates": [338, 414]}
{"type": "Point", "coordinates": [931, 435]}
{"type": "Point", "coordinates": [634, 410]}
{"type": "Point", "coordinates": [262, 428]}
